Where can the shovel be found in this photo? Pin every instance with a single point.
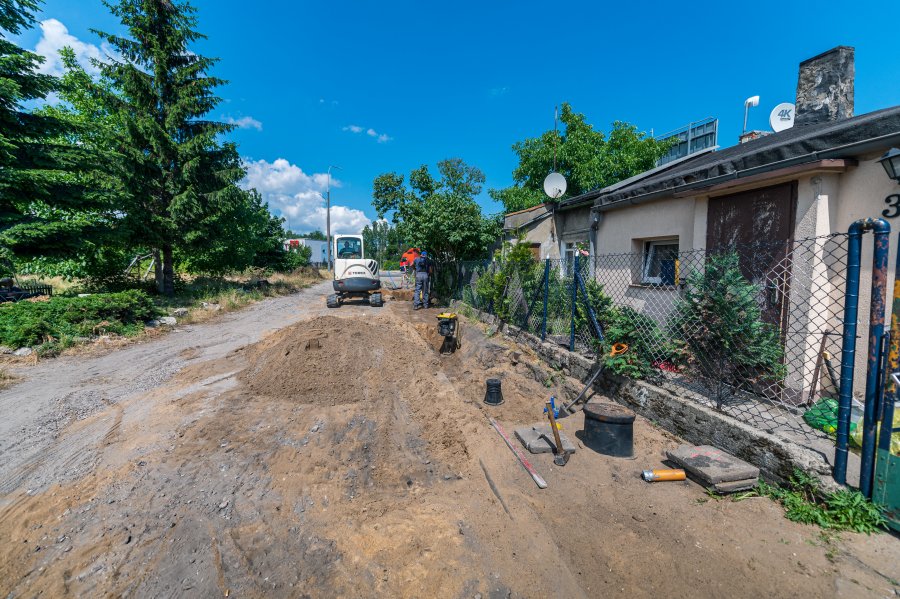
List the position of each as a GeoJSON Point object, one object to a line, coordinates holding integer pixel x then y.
{"type": "Point", "coordinates": [560, 456]}
{"type": "Point", "coordinates": [569, 408]}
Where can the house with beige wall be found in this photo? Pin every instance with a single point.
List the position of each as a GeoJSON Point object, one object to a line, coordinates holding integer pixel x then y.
{"type": "Point", "coordinates": [785, 197]}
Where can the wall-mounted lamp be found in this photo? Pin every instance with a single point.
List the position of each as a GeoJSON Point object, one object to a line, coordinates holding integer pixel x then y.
{"type": "Point", "coordinates": [891, 163]}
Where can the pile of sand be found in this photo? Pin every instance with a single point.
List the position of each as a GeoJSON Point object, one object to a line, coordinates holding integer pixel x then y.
{"type": "Point", "coordinates": [331, 361]}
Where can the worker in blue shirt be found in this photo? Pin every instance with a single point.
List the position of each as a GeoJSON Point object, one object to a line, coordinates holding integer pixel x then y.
{"type": "Point", "coordinates": [424, 269]}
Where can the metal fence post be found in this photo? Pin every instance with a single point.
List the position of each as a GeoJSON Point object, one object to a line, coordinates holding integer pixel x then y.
{"type": "Point", "coordinates": [491, 303]}
{"type": "Point", "coordinates": [881, 230]}
{"type": "Point", "coordinates": [574, 302]}
{"type": "Point", "coordinates": [876, 344]}
{"type": "Point", "coordinates": [848, 351]}
{"type": "Point", "coordinates": [592, 317]}
{"type": "Point", "coordinates": [546, 297]}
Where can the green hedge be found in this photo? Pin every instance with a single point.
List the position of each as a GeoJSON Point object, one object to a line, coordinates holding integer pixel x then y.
{"type": "Point", "coordinates": [26, 323]}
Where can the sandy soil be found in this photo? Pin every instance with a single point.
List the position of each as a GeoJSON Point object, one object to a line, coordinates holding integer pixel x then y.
{"type": "Point", "coordinates": [292, 451]}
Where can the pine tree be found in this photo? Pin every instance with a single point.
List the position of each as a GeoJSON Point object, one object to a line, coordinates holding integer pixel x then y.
{"type": "Point", "coordinates": [40, 194]}
{"type": "Point", "coordinates": [720, 332]}
{"type": "Point", "coordinates": [177, 169]}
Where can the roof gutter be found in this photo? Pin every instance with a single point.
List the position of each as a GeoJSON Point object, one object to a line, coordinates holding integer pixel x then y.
{"type": "Point", "coordinates": [835, 152]}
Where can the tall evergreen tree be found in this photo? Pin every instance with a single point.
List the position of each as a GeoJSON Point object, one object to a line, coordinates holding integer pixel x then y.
{"type": "Point", "coordinates": [40, 198]}
{"type": "Point", "coordinates": [177, 169]}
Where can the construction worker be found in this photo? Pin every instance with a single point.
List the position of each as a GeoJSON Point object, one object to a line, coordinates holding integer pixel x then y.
{"type": "Point", "coordinates": [424, 269]}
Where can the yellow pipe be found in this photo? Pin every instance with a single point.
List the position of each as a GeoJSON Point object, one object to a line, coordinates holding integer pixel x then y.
{"type": "Point", "coordinates": [663, 475]}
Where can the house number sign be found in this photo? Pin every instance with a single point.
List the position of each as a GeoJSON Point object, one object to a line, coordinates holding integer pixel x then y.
{"type": "Point", "coordinates": [893, 201]}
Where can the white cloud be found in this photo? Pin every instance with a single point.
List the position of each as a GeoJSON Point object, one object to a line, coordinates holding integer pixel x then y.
{"type": "Point", "coordinates": [379, 137]}
{"type": "Point", "coordinates": [245, 122]}
{"type": "Point", "coordinates": [54, 37]}
{"type": "Point", "coordinates": [295, 195]}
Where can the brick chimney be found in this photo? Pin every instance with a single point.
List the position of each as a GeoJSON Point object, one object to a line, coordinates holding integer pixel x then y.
{"type": "Point", "coordinates": [825, 87]}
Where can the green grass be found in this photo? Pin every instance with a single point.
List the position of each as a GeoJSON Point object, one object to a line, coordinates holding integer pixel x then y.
{"type": "Point", "coordinates": [63, 321]}
{"type": "Point", "coordinates": [836, 511]}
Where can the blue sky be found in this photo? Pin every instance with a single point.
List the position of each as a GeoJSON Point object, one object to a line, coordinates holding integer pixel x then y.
{"type": "Point", "coordinates": [387, 86]}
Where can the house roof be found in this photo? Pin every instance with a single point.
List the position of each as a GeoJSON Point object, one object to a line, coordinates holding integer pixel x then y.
{"type": "Point", "coordinates": [532, 209]}
{"type": "Point", "coordinates": [523, 218]}
{"type": "Point", "coordinates": [797, 145]}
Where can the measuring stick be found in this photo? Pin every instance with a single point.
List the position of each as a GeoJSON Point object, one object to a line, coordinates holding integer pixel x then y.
{"type": "Point", "coordinates": [541, 483]}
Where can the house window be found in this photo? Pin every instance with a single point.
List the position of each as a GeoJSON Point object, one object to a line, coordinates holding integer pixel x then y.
{"type": "Point", "coordinates": [660, 262]}
{"type": "Point", "coordinates": [570, 249]}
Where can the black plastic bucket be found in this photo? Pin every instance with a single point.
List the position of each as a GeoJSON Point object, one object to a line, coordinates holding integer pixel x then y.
{"type": "Point", "coordinates": [609, 429]}
{"type": "Point", "coordinates": [493, 396]}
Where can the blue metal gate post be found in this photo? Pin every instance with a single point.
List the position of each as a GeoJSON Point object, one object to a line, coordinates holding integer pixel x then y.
{"type": "Point", "coordinates": [848, 350]}
{"type": "Point", "coordinates": [546, 294]}
{"type": "Point", "coordinates": [882, 232]}
{"type": "Point", "coordinates": [574, 302]}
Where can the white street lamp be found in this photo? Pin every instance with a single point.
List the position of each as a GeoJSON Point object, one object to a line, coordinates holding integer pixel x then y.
{"type": "Point", "coordinates": [328, 212]}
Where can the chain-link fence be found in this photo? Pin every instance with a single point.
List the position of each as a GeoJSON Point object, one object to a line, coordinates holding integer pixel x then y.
{"type": "Point", "coordinates": [753, 331]}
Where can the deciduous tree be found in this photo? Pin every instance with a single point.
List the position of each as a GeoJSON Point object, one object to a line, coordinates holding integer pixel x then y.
{"type": "Point", "coordinates": [438, 214]}
{"type": "Point", "coordinates": [588, 159]}
{"type": "Point", "coordinates": [382, 241]}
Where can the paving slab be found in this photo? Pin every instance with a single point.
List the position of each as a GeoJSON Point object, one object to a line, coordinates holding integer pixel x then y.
{"type": "Point", "coordinates": [712, 465]}
{"type": "Point", "coordinates": [535, 439]}
{"type": "Point", "coordinates": [735, 486]}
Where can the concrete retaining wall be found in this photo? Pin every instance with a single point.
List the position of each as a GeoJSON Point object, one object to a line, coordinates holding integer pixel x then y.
{"type": "Point", "coordinates": [697, 424]}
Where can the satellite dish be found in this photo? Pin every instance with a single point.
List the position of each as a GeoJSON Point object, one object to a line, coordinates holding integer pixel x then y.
{"type": "Point", "coordinates": [782, 117]}
{"type": "Point", "coordinates": [555, 185]}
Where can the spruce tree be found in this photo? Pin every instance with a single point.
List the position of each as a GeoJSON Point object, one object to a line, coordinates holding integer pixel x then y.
{"type": "Point", "coordinates": [720, 332]}
{"type": "Point", "coordinates": [177, 170]}
{"type": "Point", "coordinates": [40, 194]}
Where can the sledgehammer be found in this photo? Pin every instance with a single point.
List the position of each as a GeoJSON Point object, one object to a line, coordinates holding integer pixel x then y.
{"type": "Point", "coordinates": [561, 456]}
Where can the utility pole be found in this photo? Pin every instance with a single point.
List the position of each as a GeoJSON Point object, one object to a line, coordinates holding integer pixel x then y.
{"type": "Point", "coordinates": [328, 212]}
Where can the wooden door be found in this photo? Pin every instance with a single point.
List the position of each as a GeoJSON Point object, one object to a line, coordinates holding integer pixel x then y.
{"type": "Point", "coordinates": [759, 224]}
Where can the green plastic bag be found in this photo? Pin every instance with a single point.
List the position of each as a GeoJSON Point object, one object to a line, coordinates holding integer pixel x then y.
{"type": "Point", "coordinates": [823, 415]}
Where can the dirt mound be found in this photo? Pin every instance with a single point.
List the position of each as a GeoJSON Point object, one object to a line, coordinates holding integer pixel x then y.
{"type": "Point", "coordinates": [330, 361]}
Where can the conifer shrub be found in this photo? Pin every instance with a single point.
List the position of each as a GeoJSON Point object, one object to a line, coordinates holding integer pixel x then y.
{"type": "Point", "coordinates": [719, 332]}
{"type": "Point", "coordinates": [30, 323]}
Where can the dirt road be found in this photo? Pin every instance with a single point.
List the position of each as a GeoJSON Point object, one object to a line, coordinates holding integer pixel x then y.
{"type": "Point", "coordinates": [288, 451]}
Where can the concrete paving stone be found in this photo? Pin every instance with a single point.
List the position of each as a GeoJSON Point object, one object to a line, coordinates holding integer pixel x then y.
{"type": "Point", "coordinates": [712, 465]}
{"type": "Point", "coordinates": [531, 437]}
{"type": "Point", "coordinates": [735, 486]}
